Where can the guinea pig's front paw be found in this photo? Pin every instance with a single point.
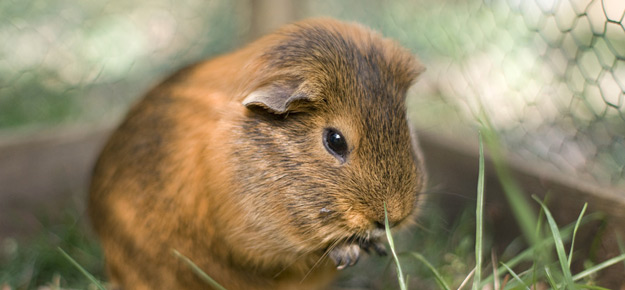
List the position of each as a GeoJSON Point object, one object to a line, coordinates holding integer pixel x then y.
{"type": "Point", "coordinates": [345, 255]}
{"type": "Point", "coordinates": [376, 245]}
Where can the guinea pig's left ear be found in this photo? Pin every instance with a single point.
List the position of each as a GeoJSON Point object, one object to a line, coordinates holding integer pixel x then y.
{"type": "Point", "coordinates": [279, 98]}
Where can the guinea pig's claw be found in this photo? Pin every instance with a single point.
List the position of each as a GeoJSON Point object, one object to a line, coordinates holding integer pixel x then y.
{"type": "Point", "coordinates": [345, 255]}
{"type": "Point", "coordinates": [377, 246]}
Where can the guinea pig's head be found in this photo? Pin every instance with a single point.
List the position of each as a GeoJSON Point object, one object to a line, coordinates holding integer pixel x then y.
{"type": "Point", "coordinates": [326, 143]}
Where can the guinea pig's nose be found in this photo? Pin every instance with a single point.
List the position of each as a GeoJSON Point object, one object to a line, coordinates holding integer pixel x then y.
{"type": "Point", "coordinates": [380, 224]}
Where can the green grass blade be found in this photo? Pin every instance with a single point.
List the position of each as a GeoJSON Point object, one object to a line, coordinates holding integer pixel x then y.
{"type": "Point", "coordinates": [542, 253]}
{"type": "Point", "coordinates": [527, 254]}
{"type": "Point", "coordinates": [566, 271]}
{"type": "Point", "coordinates": [400, 275]}
{"type": "Point", "coordinates": [479, 223]}
{"type": "Point", "coordinates": [621, 245]}
{"type": "Point", "coordinates": [198, 271]}
{"type": "Point", "coordinates": [466, 279]}
{"type": "Point", "coordinates": [592, 287]}
{"type": "Point", "coordinates": [516, 277]}
{"type": "Point", "coordinates": [437, 275]}
{"type": "Point", "coordinates": [599, 267]}
{"type": "Point", "coordinates": [521, 208]}
{"type": "Point", "coordinates": [407, 280]}
{"type": "Point", "coordinates": [493, 262]}
{"type": "Point", "coordinates": [82, 270]}
{"type": "Point", "coordinates": [579, 220]}
{"type": "Point", "coordinates": [552, 282]}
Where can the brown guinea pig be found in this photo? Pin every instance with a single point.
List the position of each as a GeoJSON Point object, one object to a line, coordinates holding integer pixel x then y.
{"type": "Point", "coordinates": [268, 167]}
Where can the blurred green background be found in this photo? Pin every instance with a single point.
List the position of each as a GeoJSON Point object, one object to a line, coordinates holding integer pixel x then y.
{"type": "Point", "coordinates": [85, 61]}
{"type": "Point", "coordinates": [549, 74]}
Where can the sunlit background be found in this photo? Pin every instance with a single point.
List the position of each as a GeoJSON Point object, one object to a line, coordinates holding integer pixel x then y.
{"type": "Point", "coordinates": [549, 75]}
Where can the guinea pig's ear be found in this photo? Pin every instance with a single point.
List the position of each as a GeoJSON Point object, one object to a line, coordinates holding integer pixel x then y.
{"type": "Point", "coordinates": [278, 98]}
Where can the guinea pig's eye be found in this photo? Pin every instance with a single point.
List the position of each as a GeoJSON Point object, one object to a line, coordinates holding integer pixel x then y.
{"type": "Point", "coordinates": [335, 143]}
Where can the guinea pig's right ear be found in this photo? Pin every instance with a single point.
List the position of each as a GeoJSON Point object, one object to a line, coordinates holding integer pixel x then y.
{"type": "Point", "coordinates": [279, 98]}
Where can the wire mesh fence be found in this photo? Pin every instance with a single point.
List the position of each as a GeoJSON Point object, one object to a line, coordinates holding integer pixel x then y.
{"type": "Point", "coordinates": [550, 77]}
{"type": "Point", "coordinates": [548, 74]}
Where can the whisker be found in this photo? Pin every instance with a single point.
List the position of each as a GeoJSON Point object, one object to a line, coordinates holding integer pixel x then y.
{"type": "Point", "coordinates": [296, 259]}
{"type": "Point", "coordinates": [291, 263]}
{"type": "Point", "coordinates": [325, 254]}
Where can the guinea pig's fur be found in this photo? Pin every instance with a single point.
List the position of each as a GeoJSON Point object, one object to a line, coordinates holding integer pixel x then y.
{"type": "Point", "coordinates": [228, 162]}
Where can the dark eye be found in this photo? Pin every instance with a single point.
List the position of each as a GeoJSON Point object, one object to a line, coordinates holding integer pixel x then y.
{"type": "Point", "coordinates": [335, 143]}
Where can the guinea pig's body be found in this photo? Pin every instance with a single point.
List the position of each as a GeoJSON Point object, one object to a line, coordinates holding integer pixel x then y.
{"type": "Point", "coordinates": [268, 167]}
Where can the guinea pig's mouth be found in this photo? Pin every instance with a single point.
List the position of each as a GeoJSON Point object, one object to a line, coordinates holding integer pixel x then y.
{"type": "Point", "coordinates": [346, 252]}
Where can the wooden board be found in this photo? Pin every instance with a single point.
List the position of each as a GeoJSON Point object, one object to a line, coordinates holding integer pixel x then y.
{"type": "Point", "coordinates": [43, 174]}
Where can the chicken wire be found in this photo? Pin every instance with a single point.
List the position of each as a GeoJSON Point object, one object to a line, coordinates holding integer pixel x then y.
{"type": "Point", "coordinates": [548, 74]}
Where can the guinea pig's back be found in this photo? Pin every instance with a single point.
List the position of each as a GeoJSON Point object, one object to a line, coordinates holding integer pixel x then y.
{"type": "Point", "coordinates": [160, 158]}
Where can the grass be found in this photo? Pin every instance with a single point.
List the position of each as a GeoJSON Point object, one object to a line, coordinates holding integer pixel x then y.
{"type": "Point", "coordinates": [35, 262]}
{"type": "Point", "coordinates": [82, 270]}
{"type": "Point", "coordinates": [479, 223]}
{"type": "Point", "coordinates": [400, 273]}
{"type": "Point", "coordinates": [198, 271]}
{"type": "Point", "coordinates": [522, 210]}
{"type": "Point", "coordinates": [558, 275]}
{"type": "Point", "coordinates": [559, 244]}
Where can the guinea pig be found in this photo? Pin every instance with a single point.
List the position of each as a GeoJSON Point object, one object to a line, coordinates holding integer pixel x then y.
{"type": "Point", "coordinates": [269, 167]}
